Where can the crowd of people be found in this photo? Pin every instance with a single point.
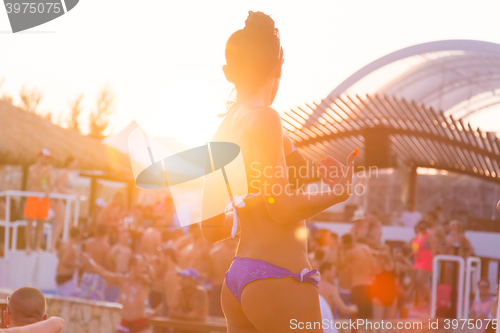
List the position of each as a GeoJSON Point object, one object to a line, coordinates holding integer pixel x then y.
{"type": "Point", "coordinates": [141, 259]}
{"type": "Point", "coordinates": [361, 277]}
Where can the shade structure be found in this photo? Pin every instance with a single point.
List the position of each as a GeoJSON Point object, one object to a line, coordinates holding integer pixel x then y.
{"type": "Point", "coordinates": [412, 108]}
{"type": "Point", "coordinates": [389, 131]}
{"type": "Point", "coordinates": [23, 135]}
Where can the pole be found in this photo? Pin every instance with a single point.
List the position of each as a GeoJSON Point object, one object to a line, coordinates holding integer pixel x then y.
{"type": "Point", "coordinates": [412, 191]}
{"type": "Point", "coordinates": [66, 220]}
{"type": "Point", "coordinates": [461, 272]}
{"type": "Point", "coordinates": [498, 312]}
{"type": "Point", "coordinates": [77, 212]}
{"type": "Point", "coordinates": [7, 225]}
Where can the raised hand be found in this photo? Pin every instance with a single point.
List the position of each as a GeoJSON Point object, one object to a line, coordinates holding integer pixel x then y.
{"type": "Point", "coordinates": [334, 173]}
{"type": "Point", "coordinates": [84, 258]}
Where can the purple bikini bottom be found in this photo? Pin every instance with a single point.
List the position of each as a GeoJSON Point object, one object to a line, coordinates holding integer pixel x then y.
{"type": "Point", "coordinates": [245, 270]}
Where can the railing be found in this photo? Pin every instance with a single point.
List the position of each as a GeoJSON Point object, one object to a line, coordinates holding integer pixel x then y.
{"type": "Point", "coordinates": [461, 272]}
{"type": "Point", "coordinates": [471, 273]}
{"type": "Point", "coordinates": [211, 324]}
{"type": "Point", "coordinates": [69, 198]}
{"type": "Point", "coordinates": [3, 307]}
{"type": "Point", "coordinates": [469, 270]}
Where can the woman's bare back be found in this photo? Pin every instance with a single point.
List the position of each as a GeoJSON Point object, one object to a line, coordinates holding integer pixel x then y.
{"type": "Point", "coordinates": [261, 237]}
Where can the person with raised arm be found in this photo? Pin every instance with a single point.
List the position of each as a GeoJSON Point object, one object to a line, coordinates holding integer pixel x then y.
{"type": "Point", "coordinates": [191, 298]}
{"type": "Point", "coordinates": [93, 286]}
{"type": "Point", "coordinates": [134, 292]}
{"type": "Point", "coordinates": [328, 289]}
{"type": "Point", "coordinates": [51, 325]}
{"type": "Point", "coordinates": [270, 281]}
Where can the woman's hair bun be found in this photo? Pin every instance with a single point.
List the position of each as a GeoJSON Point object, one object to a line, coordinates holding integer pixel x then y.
{"type": "Point", "coordinates": [260, 22]}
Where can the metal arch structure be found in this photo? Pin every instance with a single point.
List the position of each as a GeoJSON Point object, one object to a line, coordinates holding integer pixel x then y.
{"type": "Point", "coordinates": [446, 75]}
{"type": "Point", "coordinates": [389, 130]}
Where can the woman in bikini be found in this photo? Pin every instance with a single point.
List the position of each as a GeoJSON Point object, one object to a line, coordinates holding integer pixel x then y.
{"type": "Point", "coordinates": [270, 282]}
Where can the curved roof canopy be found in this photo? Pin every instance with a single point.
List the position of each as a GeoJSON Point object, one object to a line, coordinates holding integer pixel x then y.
{"type": "Point", "coordinates": [408, 108]}
{"type": "Point", "coordinates": [460, 77]}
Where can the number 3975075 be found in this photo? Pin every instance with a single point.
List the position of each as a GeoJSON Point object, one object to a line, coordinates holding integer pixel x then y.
{"type": "Point", "coordinates": [469, 323]}
{"type": "Point", "coordinates": [33, 7]}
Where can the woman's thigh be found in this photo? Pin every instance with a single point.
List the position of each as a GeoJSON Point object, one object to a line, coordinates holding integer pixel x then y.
{"type": "Point", "coordinates": [280, 305]}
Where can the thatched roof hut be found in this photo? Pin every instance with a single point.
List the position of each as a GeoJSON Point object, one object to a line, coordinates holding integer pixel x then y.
{"type": "Point", "coordinates": [23, 135]}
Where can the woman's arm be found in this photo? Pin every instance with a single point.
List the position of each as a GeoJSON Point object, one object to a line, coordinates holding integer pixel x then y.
{"type": "Point", "coordinates": [111, 278]}
{"type": "Point", "coordinates": [217, 228]}
{"type": "Point", "coordinates": [67, 257]}
{"type": "Point", "coordinates": [51, 325]}
{"type": "Point", "coordinates": [284, 204]}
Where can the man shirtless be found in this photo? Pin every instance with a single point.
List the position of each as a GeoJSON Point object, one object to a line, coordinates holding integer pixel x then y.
{"type": "Point", "coordinates": [118, 261]}
{"type": "Point", "coordinates": [359, 230]}
{"type": "Point", "coordinates": [150, 248]}
{"type": "Point", "coordinates": [134, 292]}
{"type": "Point", "coordinates": [67, 265]}
{"type": "Point", "coordinates": [329, 291]}
{"type": "Point", "coordinates": [220, 258]}
{"type": "Point", "coordinates": [93, 286]}
{"type": "Point", "coordinates": [120, 254]}
{"type": "Point", "coordinates": [191, 300]}
{"type": "Point", "coordinates": [359, 262]}
{"type": "Point", "coordinates": [25, 306]}
{"type": "Point", "coordinates": [113, 212]}
{"type": "Point", "coordinates": [37, 209]}
{"type": "Point", "coordinates": [151, 241]}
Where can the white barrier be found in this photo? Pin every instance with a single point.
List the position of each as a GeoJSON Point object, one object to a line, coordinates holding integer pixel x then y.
{"type": "Point", "coordinates": [69, 198]}
{"type": "Point", "coordinates": [472, 276]}
{"type": "Point", "coordinates": [435, 269]}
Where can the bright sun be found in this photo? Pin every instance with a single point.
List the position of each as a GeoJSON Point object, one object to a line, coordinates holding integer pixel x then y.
{"type": "Point", "coordinates": [187, 111]}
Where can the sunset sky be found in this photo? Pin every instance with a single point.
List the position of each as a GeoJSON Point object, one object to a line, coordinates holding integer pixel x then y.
{"type": "Point", "coordinates": [163, 59]}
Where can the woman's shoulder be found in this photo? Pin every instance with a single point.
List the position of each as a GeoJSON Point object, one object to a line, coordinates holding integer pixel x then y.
{"type": "Point", "coordinates": [259, 118]}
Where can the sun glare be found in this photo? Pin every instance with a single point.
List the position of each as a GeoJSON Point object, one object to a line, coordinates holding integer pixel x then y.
{"type": "Point", "coordinates": [187, 111]}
